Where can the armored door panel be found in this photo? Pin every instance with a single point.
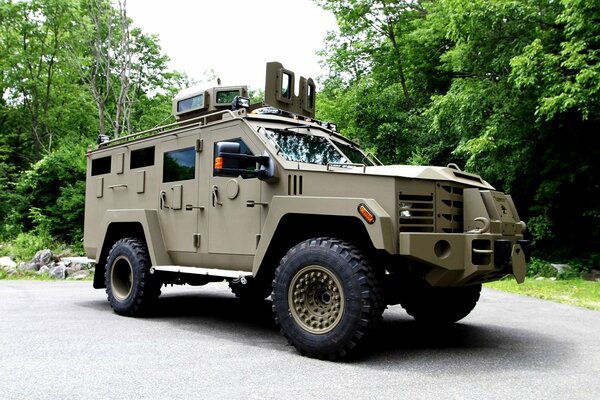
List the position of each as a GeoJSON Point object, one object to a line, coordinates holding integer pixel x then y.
{"type": "Point", "coordinates": [178, 192]}
{"type": "Point", "coordinates": [234, 227]}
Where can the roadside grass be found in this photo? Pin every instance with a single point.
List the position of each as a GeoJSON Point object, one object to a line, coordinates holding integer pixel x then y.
{"type": "Point", "coordinates": [577, 292]}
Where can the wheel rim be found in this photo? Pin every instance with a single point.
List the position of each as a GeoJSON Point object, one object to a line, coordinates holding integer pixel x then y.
{"type": "Point", "coordinates": [316, 299]}
{"type": "Point", "coordinates": [121, 278]}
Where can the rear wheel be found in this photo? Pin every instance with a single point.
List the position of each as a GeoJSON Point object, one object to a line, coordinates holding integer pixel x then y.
{"type": "Point", "coordinates": [129, 285]}
{"type": "Point", "coordinates": [326, 297]}
{"type": "Point", "coordinates": [440, 305]}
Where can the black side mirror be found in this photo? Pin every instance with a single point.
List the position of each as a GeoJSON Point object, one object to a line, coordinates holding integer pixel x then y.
{"type": "Point", "coordinates": [229, 161]}
{"type": "Point", "coordinates": [225, 164]}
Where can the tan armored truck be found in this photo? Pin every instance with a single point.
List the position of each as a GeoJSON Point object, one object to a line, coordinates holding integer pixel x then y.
{"type": "Point", "coordinates": [280, 204]}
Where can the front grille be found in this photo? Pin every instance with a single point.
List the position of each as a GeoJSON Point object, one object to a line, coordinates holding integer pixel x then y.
{"type": "Point", "coordinates": [416, 213]}
{"type": "Point", "coordinates": [449, 208]}
{"type": "Point", "coordinates": [440, 212]}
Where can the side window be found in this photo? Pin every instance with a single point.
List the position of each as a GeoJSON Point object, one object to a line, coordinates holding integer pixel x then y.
{"type": "Point", "coordinates": [101, 166]}
{"type": "Point", "coordinates": [179, 165]}
{"type": "Point", "coordinates": [142, 158]}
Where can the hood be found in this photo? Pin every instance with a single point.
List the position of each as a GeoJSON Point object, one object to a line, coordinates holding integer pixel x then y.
{"type": "Point", "coordinates": [430, 173]}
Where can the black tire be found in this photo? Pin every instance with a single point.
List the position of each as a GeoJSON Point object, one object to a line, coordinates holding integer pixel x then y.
{"type": "Point", "coordinates": [129, 285]}
{"type": "Point", "coordinates": [440, 305]}
{"type": "Point", "coordinates": [337, 296]}
{"type": "Point", "coordinates": [253, 290]}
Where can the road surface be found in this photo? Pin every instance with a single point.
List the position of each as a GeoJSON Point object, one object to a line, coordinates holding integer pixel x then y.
{"type": "Point", "coordinates": [61, 340]}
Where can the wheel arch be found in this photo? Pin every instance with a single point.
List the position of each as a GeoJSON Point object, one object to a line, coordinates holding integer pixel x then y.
{"type": "Point", "coordinates": [320, 217]}
{"type": "Point", "coordinates": [118, 224]}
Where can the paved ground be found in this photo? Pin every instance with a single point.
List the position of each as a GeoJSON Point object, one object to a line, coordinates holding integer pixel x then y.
{"type": "Point", "coordinates": [61, 340]}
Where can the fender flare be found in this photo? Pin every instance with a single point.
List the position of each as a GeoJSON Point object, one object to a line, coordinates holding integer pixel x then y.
{"type": "Point", "coordinates": [153, 235]}
{"type": "Point", "coordinates": [381, 232]}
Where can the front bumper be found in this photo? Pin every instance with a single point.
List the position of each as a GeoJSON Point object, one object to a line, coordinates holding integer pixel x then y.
{"type": "Point", "coordinates": [459, 259]}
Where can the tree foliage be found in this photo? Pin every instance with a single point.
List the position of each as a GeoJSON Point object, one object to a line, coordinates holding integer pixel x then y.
{"type": "Point", "coordinates": [69, 70]}
{"type": "Point", "coordinates": [507, 89]}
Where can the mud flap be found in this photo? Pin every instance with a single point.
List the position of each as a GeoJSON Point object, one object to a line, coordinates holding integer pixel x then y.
{"type": "Point", "coordinates": [519, 264]}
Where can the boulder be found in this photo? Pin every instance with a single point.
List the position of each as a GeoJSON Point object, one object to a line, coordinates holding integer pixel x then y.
{"type": "Point", "coordinates": [58, 272]}
{"type": "Point", "coordinates": [79, 275]}
{"type": "Point", "coordinates": [29, 266]}
{"type": "Point", "coordinates": [6, 263]}
{"type": "Point", "coordinates": [42, 257]}
{"type": "Point", "coordinates": [593, 275]}
{"type": "Point", "coordinates": [44, 270]}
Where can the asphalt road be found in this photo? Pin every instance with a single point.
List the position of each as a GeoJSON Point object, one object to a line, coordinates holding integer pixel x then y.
{"type": "Point", "coordinates": [61, 340]}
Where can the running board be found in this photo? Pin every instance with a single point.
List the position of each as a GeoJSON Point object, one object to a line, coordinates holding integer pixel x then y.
{"type": "Point", "coordinates": [200, 271]}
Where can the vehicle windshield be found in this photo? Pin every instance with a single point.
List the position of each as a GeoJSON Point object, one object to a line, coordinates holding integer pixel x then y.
{"type": "Point", "coordinates": [313, 149]}
{"type": "Point", "coordinates": [354, 154]}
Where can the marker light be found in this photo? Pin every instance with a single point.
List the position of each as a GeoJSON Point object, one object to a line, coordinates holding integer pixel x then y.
{"type": "Point", "coordinates": [367, 214]}
{"type": "Point", "coordinates": [218, 162]}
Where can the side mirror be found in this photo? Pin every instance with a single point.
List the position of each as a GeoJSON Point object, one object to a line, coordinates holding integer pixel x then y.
{"type": "Point", "coordinates": [229, 161]}
{"type": "Point", "coordinates": [225, 165]}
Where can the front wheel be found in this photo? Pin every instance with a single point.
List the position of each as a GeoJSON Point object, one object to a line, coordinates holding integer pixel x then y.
{"type": "Point", "coordinates": [129, 285]}
{"type": "Point", "coordinates": [326, 297]}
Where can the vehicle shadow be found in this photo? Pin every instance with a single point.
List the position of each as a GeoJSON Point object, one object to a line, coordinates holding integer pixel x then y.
{"type": "Point", "coordinates": [465, 346]}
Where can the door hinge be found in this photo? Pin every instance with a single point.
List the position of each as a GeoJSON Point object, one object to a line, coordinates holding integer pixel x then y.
{"type": "Point", "coordinates": [196, 240]}
{"type": "Point", "coordinates": [199, 145]}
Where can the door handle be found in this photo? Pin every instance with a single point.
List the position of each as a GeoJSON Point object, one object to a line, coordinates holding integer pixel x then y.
{"type": "Point", "coordinates": [163, 200]}
{"type": "Point", "coordinates": [215, 196]}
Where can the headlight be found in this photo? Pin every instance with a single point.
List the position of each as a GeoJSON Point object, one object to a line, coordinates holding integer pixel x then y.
{"type": "Point", "coordinates": [405, 210]}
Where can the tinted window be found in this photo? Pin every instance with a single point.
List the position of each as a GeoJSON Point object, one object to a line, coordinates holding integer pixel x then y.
{"type": "Point", "coordinates": [305, 148]}
{"type": "Point", "coordinates": [179, 165]}
{"type": "Point", "coordinates": [191, 103]}
{"type": "Point", "coordinates": [101, 166]}
{"type": "Point", "coordinates": [142, 158]}
{"type": "Point", "coordinates": [226, 97]}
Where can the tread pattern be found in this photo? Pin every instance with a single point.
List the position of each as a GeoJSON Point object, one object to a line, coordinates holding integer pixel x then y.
{"type": "Point", "coordinates": [371, 296]}
{"type": "Point", "coordinates": [145, 288]}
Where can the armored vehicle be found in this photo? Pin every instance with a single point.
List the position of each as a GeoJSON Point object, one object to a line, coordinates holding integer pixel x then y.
{"type": "Point", "coordinates": [280, 204]}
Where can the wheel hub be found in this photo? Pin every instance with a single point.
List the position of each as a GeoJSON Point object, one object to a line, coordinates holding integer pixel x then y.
{"type": "Point", "coordinates": [316, 299]}
{"type": "Point", "coordinates": [121, 278]}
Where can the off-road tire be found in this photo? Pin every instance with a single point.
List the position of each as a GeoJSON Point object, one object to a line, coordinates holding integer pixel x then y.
{"type": "Point", "coordinates": [440, 305]}
{"type": "Point", "coordinates": [129, 285]}
{"type": "Point", "coordinates": [326, 298]}
{"type": "Point", "coordinates": [253, 290]}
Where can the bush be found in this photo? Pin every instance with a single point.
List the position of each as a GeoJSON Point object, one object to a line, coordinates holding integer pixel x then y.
{"type": "Point", "coordinates": [49, 197]}
{"type": "Point", "coordinates": [540, 268]}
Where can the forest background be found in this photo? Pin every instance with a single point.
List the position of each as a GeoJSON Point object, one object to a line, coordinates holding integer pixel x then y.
{"type": "Point", "coordinates": [504, 88]}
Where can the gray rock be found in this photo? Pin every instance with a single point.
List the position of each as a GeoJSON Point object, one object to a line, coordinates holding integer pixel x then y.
{"type": "Point", "coordinates": [29, 266]}
{"type": "Point", "coordinates": [75, 267]}
{"type": "Point", "coordinates": [42, 257]}
{"type": "Point", "coordinates": [593, 275]}
{"type": "Point", "coordinates": [57, 272]}
{"type": "Point", "coordinates": [44, 270]}
{"type": "Point", "coordinates": [11, 271]}
{"type": "Point", "coordinates": [79, 275]}
{"type": "Point", "coordinates": [561, 268]}
{"type": "Point", "coordinates": [6, 263]}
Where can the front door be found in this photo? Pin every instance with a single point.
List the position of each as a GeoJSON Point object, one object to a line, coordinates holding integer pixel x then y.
{"type": "Point", "coordinates": [178, 193]}
{"type": "Point", "coordinates": [234, 227]}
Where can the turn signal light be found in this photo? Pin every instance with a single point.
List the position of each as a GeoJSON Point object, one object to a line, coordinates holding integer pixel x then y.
{"type": "Point", "coordinates": [218, 162]}
{"type": "Point", "coordinates": [367, 214]}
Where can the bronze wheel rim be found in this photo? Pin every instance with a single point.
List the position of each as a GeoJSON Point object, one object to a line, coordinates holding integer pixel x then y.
{"type": "Point", "coordinates": [121, 278]}
{"type": "Point", "coordinates": [316, 299]}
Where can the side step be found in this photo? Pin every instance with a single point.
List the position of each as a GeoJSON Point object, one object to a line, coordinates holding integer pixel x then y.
{"type": "Point", "coordinates": [200, 271]}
